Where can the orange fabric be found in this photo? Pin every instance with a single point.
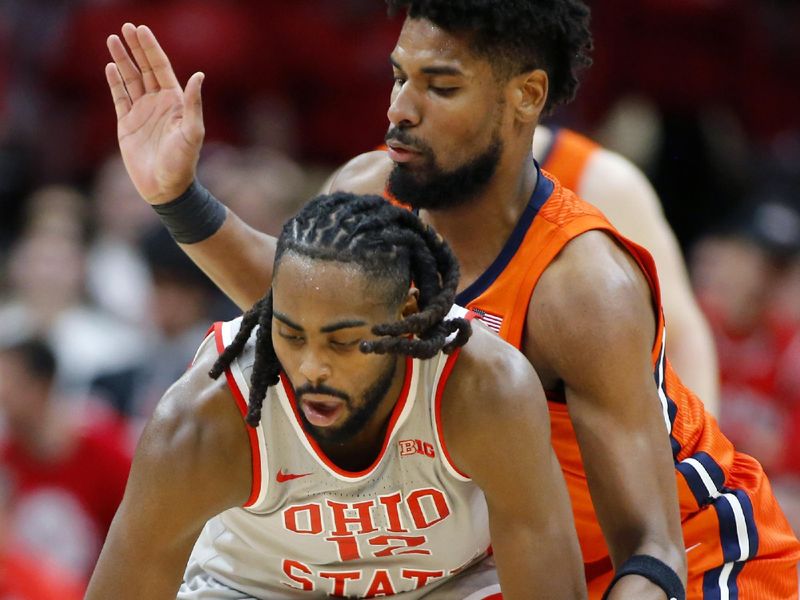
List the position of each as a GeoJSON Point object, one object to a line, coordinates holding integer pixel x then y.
{"type": "Point", "coordinates": [695, 434]}
{"type": "Point", "coordinates": [568, 156]}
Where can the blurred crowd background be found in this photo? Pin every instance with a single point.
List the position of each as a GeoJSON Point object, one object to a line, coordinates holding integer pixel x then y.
{"type": "Point", "coordinates": [100, 311]}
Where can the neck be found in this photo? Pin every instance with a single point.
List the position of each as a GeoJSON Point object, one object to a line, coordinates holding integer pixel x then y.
{"type": "Point", "coordinates": [478, 230]}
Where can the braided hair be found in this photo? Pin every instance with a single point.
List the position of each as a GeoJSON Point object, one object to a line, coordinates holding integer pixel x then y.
{"type": "Point", "coordinates": [386, 242]}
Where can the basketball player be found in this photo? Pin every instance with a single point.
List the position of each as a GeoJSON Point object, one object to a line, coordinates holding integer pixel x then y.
{"type": "Point", "coordinates": [380, 447]}
{"type": "Point", "coordinates": [654, 484]}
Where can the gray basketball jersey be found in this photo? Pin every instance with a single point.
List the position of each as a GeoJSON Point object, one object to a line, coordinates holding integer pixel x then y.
{"type": "Point", "coordinates": [406, 524]}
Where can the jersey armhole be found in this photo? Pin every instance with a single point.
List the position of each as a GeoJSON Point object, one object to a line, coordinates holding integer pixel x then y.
{"type": "Point", "coordinates": [437, 410]}
{"type": "Point", "coordinates": [252, 433]}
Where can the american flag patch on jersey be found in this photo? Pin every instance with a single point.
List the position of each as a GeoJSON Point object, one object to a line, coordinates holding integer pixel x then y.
{"type": "Point", "coordinates": [493, 322]}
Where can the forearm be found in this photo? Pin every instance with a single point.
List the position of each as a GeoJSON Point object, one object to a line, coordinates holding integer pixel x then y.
{"type": "Point", "coordinates": [238, 259]}
{"type": "Point", "coordinates": [635, 499]}
{"type": "Point", "coordinates": [125, 572]}
{"type": "Point", "coordinates": [545, 563]}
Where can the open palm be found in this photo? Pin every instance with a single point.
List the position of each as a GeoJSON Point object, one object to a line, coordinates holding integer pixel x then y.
{"type": "Point", "coordinates": [159, 125]}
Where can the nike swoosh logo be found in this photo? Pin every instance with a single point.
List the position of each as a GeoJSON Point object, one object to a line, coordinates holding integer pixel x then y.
{"type": "Point", "coordinates": [282, 477]}
{"type": "Point", "coordinates": [690, 548]}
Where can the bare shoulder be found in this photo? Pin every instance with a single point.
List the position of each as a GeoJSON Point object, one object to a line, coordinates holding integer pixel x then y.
{"type": "Point", "coordinates": [592, 297]}
{"type": "Point", "coordinates": [197, 434]}
{"type": "Point", "coordinates": [491, 382]}
{"type": "Point", "coordinates": [592, 272]}
{"type": "Point", "coordinates": [494, 414]}
{"type": "Point", "coordinates": [365, 174]}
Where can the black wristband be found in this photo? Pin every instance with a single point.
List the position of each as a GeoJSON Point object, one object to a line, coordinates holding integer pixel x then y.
{"type": "Point", "coordinates": [653, 569]}
{"type": "Point", "coordinates": [193, 216]}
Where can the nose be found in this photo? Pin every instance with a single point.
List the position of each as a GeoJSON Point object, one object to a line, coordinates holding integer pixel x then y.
{"type": "Point", "coordinates": [403, 110]}
{"type": "Point", "coordinates": [314, 368]}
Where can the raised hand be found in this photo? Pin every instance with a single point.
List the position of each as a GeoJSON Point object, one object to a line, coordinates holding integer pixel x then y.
{"type": "Point", "coordinates": [159, 125]}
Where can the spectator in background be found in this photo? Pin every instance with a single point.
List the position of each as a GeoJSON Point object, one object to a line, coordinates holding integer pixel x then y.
{"type": "Point", "coordinates": [265, 187]}
{"type": "Point", "coordinates": [747, 277]}
{"type": "Point", "coordinates": [117, 277]}
{"type": "Point", "coordinates": [182, 306]}
{"type": "Point", "coordinates": [785, 310]}
{"type": "Point", "coordinates": [25, 576]}
{"type": "Point", "coordinates": [46, 296]}
{"type": "Point", "coordinates": [69, 476]}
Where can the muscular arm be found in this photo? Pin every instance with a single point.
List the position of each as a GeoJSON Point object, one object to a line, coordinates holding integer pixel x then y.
{"type": "Point", "coordinates": [623, 193]}
{"type": "Point", "coordinates": [497, 429]}
{"type": "Point", "coordinates": [591, 323]}
{"type": "Point", "coordinates": [192, 463]}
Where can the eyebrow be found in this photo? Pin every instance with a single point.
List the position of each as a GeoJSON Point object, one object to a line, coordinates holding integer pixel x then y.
{"type": "Point", "coordinates": [432, 70]}
{"type": "Point", "coordinates": [345, 324]}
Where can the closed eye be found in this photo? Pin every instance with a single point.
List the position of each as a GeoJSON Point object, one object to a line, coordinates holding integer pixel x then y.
{"type": "Point", "coordinates": [340, 345]}
{"type": "Point", "coordinates": [443, 91]}
{"type": "Point", "coordinates": [291, 337]}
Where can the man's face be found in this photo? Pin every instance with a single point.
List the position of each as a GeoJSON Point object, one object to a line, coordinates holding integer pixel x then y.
{"type": "Point", "coordinates": [322, 310]}
{"type": "Point", "coordinates": [446, 117]}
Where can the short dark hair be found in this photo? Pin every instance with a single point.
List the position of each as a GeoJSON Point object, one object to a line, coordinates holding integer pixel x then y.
{"type": "Point", "coordinates": [518, 35]}
{"type": "Point", "coordinates": [388, 243]}
{"type": "Point", "coordinates": [36, 355]}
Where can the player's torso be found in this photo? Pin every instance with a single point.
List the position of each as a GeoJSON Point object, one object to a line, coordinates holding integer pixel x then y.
{"type": "Point", "coordinates": [501, 297]}
{"type": "Point", "coordinates": [409, 520]}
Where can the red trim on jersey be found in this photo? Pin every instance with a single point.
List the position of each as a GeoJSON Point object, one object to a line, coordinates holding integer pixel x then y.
{"type": "Point", "coordinates": [398, 409]}
{"type": "Point", "coordinates": [241, 404]}
{"type": "Point", "coordinates": [205, 337]}
{"type": "Point", "coordinates": [448, 368]}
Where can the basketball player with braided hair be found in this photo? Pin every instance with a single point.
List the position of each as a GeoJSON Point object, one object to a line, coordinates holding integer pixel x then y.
{"type": "Point", "coordinates": [352, 435]}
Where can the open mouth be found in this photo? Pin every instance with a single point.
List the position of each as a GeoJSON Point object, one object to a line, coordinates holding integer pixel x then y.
{"type": "Point", "coordinates": [322, 413]}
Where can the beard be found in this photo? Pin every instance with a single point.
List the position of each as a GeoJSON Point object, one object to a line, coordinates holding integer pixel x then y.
{"type": "Point", "coordinates": [429, 186]}
{"type": "Point", "coordinates": [359, 416]}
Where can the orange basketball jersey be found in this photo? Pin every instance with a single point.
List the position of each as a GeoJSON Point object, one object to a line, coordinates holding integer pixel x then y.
{"type": "Point", "coordinates": [567, 155]}
{"type": "Point", "coordinates": [738, 542]}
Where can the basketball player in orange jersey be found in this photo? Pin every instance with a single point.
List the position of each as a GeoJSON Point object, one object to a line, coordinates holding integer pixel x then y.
{"type": "Point", "coordinates": [382, 444]}
{"type": "Point", "coordinates": [658, 493]}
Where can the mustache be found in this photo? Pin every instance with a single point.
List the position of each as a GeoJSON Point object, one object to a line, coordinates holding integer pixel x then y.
{"type": "Point", "coordinates": [396, 134]}
{"type": "Point", "coordinates": [323, 389]}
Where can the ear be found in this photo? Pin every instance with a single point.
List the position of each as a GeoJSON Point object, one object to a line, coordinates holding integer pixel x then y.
{"type": "Point", "coordinates": [411, 305]}
{"type": "Point", "coordinates": [529, 95]}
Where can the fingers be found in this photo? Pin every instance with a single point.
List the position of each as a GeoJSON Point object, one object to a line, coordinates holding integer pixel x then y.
{"type": "Point", "coordinates": [193, 109]}
{"type": "Point", "coordinates": [156, 58]}
{"type": "Point", "coordinates": [130, 33]}
{"type": "Point", "coordinates": [122, 101]}
{"type": "Point", "coordinates": [127, 69]}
